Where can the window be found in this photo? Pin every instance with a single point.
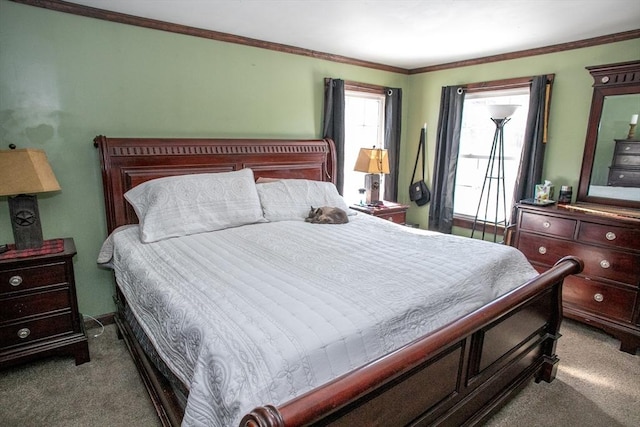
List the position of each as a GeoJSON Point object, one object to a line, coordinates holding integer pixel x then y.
{"type": "Point", "coordinates": [476, 139]}
{"type": "Point", "coordinates": [364, 128]}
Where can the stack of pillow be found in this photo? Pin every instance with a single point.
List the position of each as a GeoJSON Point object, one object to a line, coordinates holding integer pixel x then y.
{"type": "Point", "coordinates": [189, 204]}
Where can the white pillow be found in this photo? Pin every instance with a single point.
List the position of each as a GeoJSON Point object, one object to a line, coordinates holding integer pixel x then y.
{"type": "Point", "coordinates": [188, 204]}
{"type": "Point", "coordinates": [291, 199]}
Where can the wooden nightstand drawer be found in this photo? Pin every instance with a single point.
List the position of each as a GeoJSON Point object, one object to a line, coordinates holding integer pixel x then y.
{"type": "Point", "coordinates": [33, 304]}
{"type": "Point", "coordinates": [599, 298]}
{"type": "Point", "coordinates": [561, 227]}
{"type": "Point", "coordinates": [32, 277]}
{"type": "Point", "coordinates": [398, 217]}
{"type": "Point", "coordinates": [609, 235]}
{"type": "Point", "coordinates": [33, 330]}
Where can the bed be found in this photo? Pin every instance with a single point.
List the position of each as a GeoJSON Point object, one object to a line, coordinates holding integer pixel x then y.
{"type": "Point", "coordinates": [451, 369]}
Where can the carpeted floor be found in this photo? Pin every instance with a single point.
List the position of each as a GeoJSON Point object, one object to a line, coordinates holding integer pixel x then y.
{"type": "Point", "coordinates": [597, 385]}
{"type": "Point", "coordinates": [105, 392]}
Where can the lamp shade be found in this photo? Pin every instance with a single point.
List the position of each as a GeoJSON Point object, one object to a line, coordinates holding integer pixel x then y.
{"type": "Point", "coordinates": [25, 171]}
{"type": "Point", "coordinates": [501, 111]}
{"type": "Point", "coordinates": [372, 160]}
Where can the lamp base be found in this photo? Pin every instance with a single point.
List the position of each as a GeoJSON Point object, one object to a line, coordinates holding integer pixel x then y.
{"type": "Point", "coordinates": [25, 221]}
{"type": "Point", "coordinates": [372, 185]}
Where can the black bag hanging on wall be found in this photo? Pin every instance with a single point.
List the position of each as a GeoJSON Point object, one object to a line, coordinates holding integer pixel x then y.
{"type": "Point", "coordinates": [419, 192]}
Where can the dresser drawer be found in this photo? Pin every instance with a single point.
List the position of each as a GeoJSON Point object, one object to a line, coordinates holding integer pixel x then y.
{"type": "Point", "coordinates": [609, 235]}
{"type": "Point", "coordinates": [600, 262]}
{"type": "Point", "coordinates": [32, 277]}
{"type": "Point", "coordinates": [33, 330]}
{"type": "Point", "coordinates": [622, 177]}
{"type": "Point", "coordinates": [561, 227]}
{"type": "Point", "coordinates": [623, 161]}
{"type": "Point", "coordinates": [599, 298]}
{"type": "Point", "coordinates": [627, 148]}
{"type": "Point", "coordinates": [33, 304]}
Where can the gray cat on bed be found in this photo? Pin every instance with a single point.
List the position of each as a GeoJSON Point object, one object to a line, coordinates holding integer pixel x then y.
{"type": "Point", "coordinates": [327, 215]}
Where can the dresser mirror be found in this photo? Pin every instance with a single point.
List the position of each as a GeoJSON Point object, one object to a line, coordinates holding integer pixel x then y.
{"type": "Point", "coordinates": [610, 173]}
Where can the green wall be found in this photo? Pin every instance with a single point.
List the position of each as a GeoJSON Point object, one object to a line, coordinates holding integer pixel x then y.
{"type": "Point", "coordinates": [65, 79]}
{"type": "Point", "coordinates": [570, 105]}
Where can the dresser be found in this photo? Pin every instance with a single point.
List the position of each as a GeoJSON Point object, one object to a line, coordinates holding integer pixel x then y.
{"type": "Point", "coordinates": [394, 212]}
{"type": "Point", "coordinates": [625, 166]}
{"type": "Point", "coordinates": [606, 293]}
{"type": "Point", "coordinates": [38, 309]}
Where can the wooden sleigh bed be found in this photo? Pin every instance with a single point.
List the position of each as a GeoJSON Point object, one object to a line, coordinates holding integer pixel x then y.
{"type": "Point", "coordinates": [456, 375]}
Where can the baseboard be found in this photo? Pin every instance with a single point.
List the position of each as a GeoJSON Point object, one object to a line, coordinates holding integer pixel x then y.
{"type": "Point", "coordinates": [105, 319]}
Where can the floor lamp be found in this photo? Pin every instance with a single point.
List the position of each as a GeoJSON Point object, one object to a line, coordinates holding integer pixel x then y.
{"type": "Point", "coordinates": [500, 115]}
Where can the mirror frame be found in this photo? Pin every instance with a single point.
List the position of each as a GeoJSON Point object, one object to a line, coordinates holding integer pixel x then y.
{"type": "Point", "coordinates": [612, 79]}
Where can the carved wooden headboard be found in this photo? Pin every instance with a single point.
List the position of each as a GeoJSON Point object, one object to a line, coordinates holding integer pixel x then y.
{"type": "Point", "coordinates": [127, 162]}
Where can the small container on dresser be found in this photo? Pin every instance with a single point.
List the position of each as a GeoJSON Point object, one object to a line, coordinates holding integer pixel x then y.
{"type": "Point", "coordinates": [606, 294]}
{"type": "Point", "coordinates": [38, 308]}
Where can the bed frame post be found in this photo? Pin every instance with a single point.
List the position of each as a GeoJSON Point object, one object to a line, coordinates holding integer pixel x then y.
{"type": "Point", "coordinates": [263, 416]}
{"type": "Point", "coordinates": [549, 367]}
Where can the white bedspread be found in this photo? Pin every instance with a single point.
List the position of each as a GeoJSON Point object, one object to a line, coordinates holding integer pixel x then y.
{"type": "Point", "coordinates": [262, 313]}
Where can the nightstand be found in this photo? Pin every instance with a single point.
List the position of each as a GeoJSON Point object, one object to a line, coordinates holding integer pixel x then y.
{"type": "Point", "coordinates": [38, 309]}
{"type": "Point", "coordinates": [391, 211]}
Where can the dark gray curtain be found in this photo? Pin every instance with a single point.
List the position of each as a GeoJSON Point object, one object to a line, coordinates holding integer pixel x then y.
{"type": "Point", "coordinates": [532, 157]}
{"type": "Point", "coordinates": [333, 126]}
{"type": "Point", "coordinates": [446, 161]}
{"type": "Point", "coordinates": [392, 125]}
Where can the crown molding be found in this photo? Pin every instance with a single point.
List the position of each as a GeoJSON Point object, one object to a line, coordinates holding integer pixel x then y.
{"type": "Point", "coordinates": [81, 10]}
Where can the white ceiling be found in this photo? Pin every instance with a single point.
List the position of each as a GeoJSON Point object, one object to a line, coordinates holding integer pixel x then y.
{"type": "Point", "coordinates": [403, 33]}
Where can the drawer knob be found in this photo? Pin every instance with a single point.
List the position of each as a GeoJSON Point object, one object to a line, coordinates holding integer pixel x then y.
{"type": "Point", "coordinates": [621, 176]}
{"type": "Point", "coordinates": [15, 280]}
{"type": "Point", "coordinates": [598, 297]}
{"type": "Point", "coordinates": [546, 224]}
{"type": "Point", "coordinates": [627, 148]}
{"type": "Point", "coordinates": [605, 264]}
{"type": "Point", "coordinates": [542, 250]}
{"type": "Point", "coordinates": [23, 333]}
{"type": "Point", "coordinates": [610, 235]}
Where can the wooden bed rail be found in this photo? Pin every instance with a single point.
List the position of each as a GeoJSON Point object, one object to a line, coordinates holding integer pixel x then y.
{"type": "Point", "coordinates": [319, 404]}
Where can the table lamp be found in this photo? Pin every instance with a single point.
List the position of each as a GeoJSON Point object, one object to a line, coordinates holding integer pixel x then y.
{"type": "Point", "coordinates": [374, 162]}
{"type": "Point", "coordinates": [25, 171]}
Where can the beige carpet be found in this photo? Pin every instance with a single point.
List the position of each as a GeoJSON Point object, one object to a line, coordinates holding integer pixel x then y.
{"type": "Point", "coordinates": [105, 392]}
{"type": "Point", "coordinates": [596, 386]}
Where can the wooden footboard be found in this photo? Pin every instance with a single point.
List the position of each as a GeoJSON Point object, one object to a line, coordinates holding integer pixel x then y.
{"type": "Point", "coordinates": [457, 375]}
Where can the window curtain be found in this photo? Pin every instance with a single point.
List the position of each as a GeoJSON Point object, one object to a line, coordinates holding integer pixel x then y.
{"type": "Point", "coordinates": [446, 161]}
{"type": "Point", "coordinates": [333, 125]}
{"type": "Point", "coordinates": [533, 147]}
{"type": "Point", "coordinates": [392, 126]}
